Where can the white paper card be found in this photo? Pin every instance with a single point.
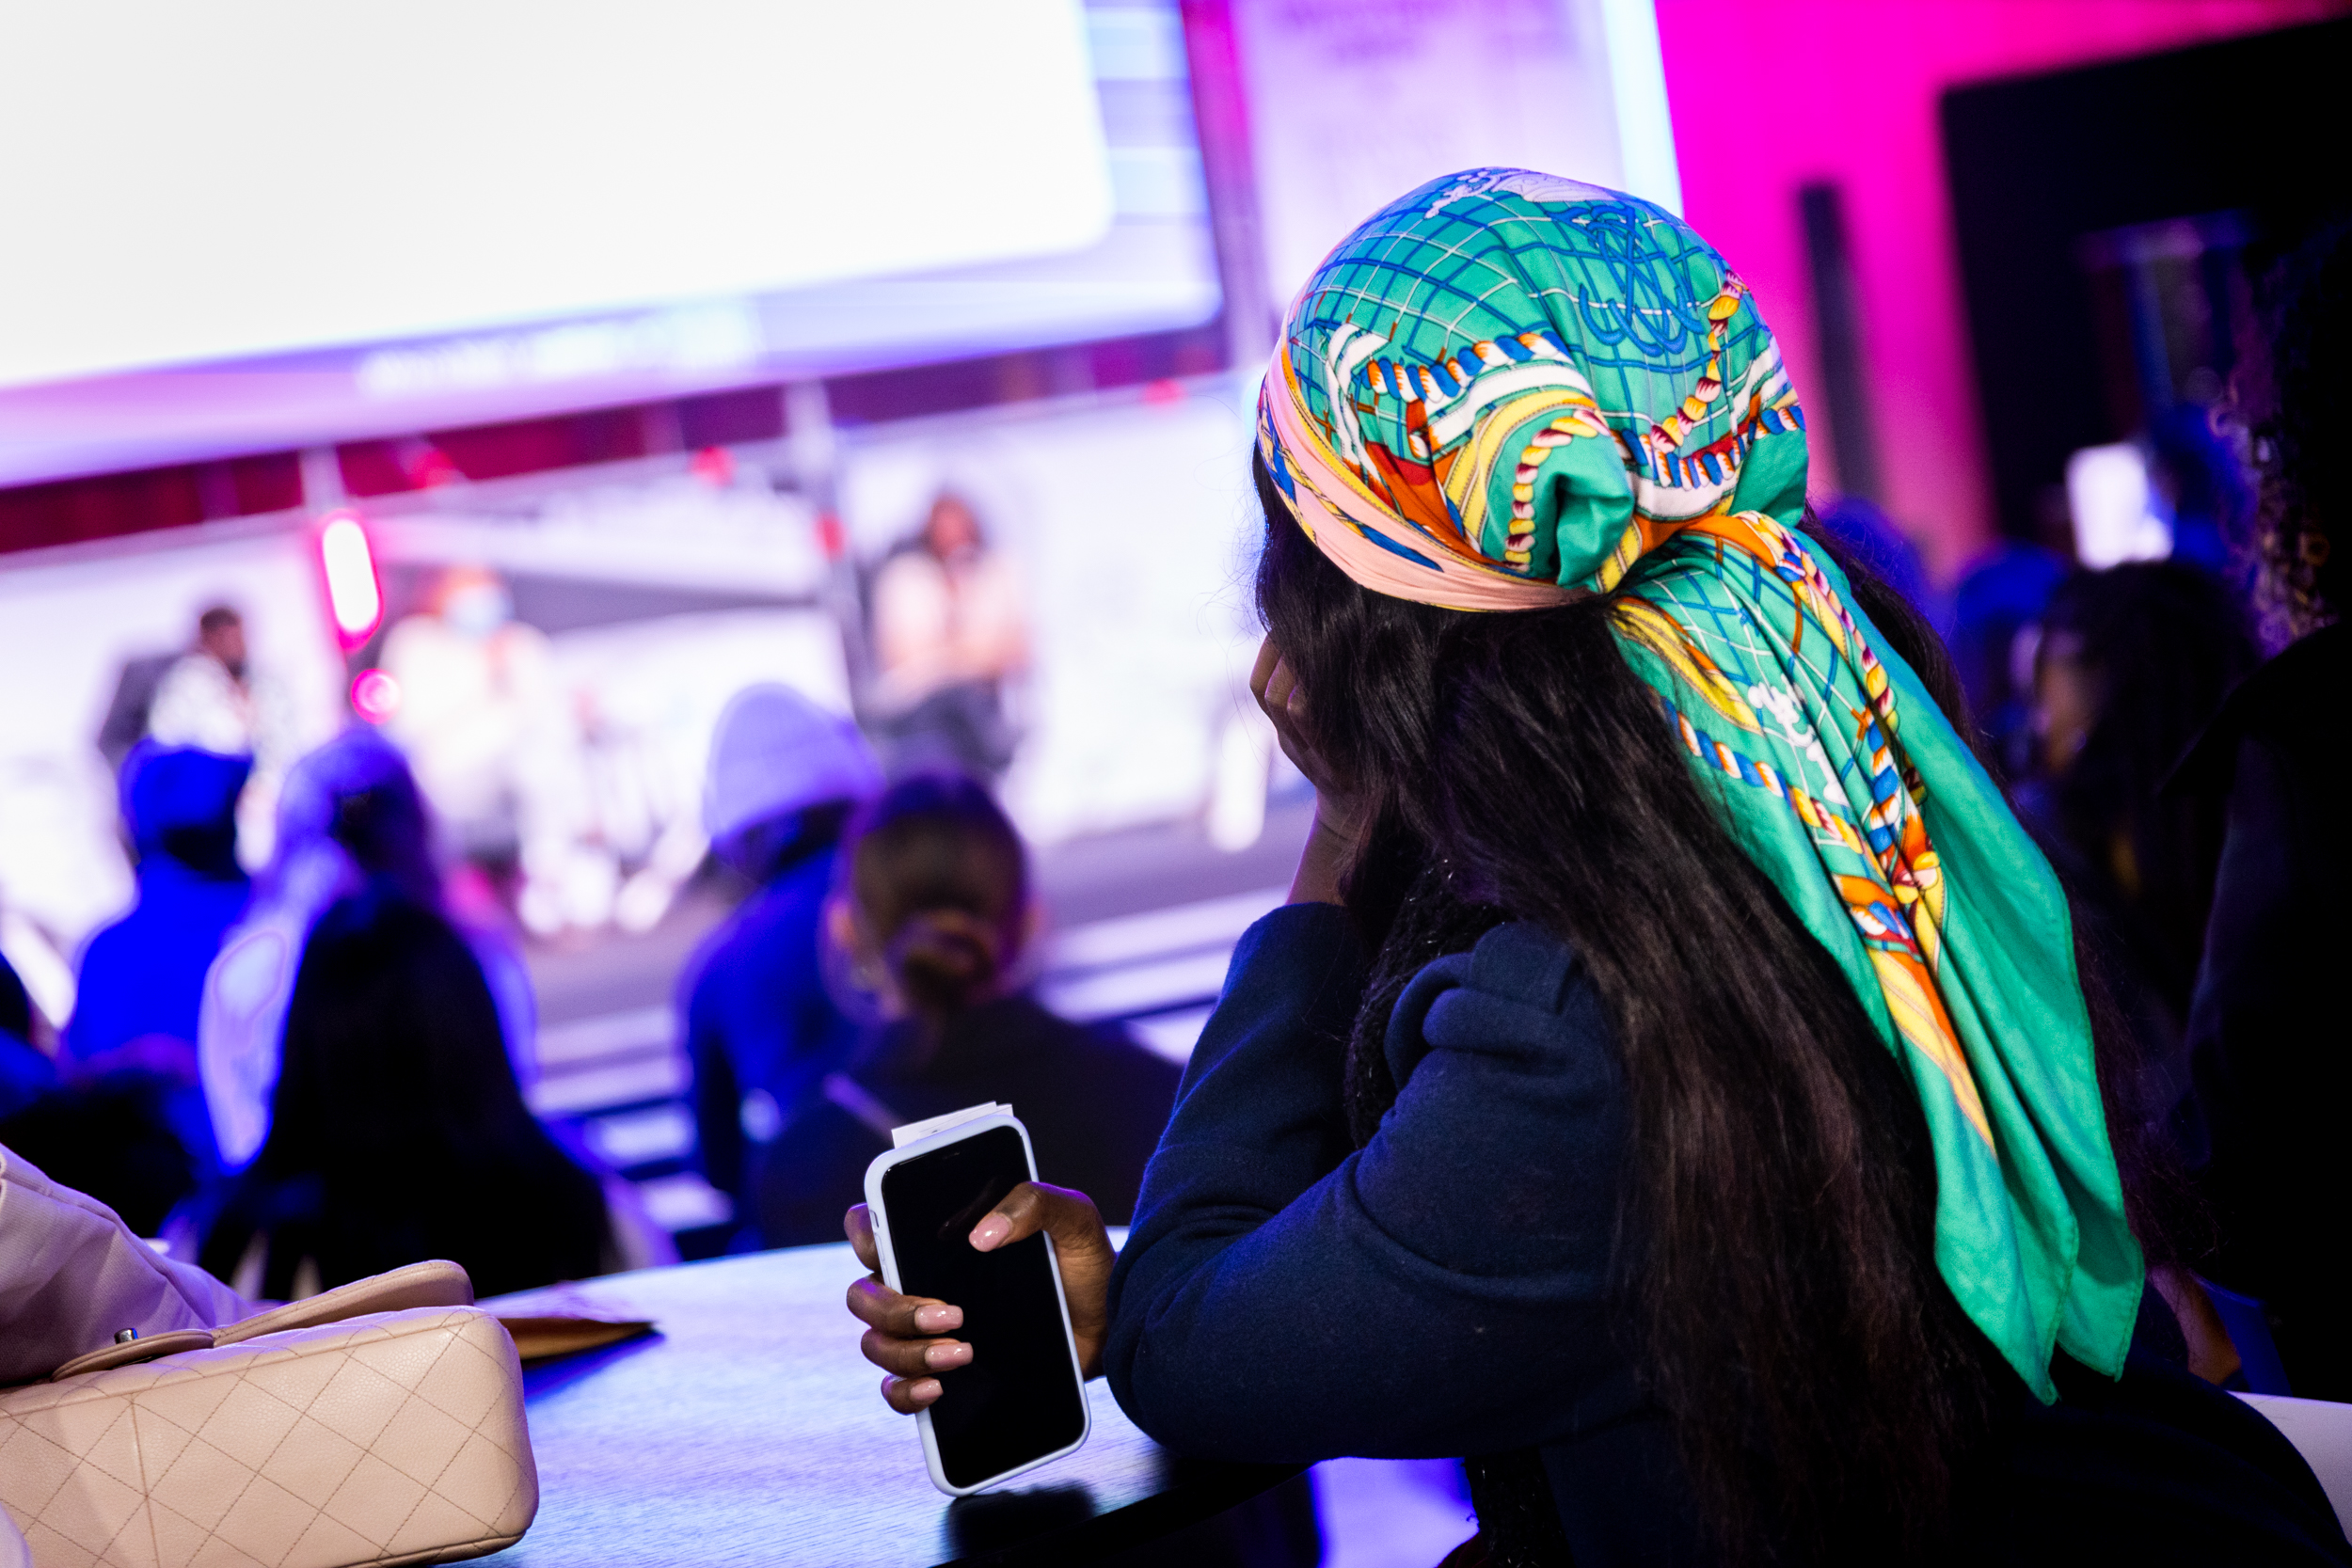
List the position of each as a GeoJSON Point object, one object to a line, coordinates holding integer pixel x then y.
{"type": "Point", "coordinates": [901, 1136]}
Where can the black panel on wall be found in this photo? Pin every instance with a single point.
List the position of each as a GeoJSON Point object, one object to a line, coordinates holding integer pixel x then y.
{"type": "Point", "coordinates": [2250, 126]}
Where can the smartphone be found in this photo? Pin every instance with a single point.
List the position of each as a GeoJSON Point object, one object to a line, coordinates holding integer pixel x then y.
{"type": "Point", "coordinates": [1021, 1401]}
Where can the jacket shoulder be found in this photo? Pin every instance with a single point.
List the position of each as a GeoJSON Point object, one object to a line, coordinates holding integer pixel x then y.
{"type": "Point", "coordinates": [2297, 703]}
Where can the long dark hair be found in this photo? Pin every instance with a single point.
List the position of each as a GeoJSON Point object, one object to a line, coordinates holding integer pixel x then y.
{"type": "Point", "coordinates": [939, 872]}
{"type": "Point", "coordinates": [2306, 496]}
{"type": "Point", "coordinates": [2162, 642]}
{"type": "Point", "coordinates": [384, 827]}
{"type": "Point", "coordinates": [1776, 1245]}
{"type": "Point", "coordinates": [397, 1131]}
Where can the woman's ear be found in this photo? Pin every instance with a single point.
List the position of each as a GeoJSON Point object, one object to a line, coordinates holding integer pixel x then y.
{"type": "Point", "coordinates": [860, 959]}
{"type": "Point", "coordinates": [841, 929]}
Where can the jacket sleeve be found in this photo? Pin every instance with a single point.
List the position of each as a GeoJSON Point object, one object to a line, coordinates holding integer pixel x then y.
{"type": "Point", "coordinates": [1441, 1292]}
{"type": "Point", "coordinates": [2270, 1088]}
{"type": "Point", "coordinates": [718, 1098]}
{"type": "Point", "coordinates": [72, 1275]}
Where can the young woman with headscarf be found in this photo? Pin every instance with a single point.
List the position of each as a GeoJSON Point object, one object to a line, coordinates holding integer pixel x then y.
{"type": "Point", "coordinates": [1671, 1086]}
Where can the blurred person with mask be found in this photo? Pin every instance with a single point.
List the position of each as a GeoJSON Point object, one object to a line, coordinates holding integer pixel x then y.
{"type": "Point", "coordinates": [141, 985]}
{"type": "Point", "coordinates": [931, 920]}
{"type": "Point", "coordinates": [350, 813]}
{"type": "Point", "coordinates": [2270, 1017]}
{"type": "Point", "coordinates": [495, 739]}
{"type": "Point", "coordinates": [949, 630]}
{"type": "Point", "coordinates": [761, 1027]}
{"type": "Point", "coordinates": [398, 1132]}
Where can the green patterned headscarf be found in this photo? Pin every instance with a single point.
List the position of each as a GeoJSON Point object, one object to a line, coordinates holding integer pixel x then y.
{"type": "Point", "coordinates": [1507, 389]}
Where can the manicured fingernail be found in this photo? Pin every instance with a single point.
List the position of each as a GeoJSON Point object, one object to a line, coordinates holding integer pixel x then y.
{"type": "Point", "coordinates": [941, 1358]}
{"type": "Point", "coordinates": [989, 1231]}
{"type": "Point", "coordinates": [924, 1391]}
{"type": "Point", "coordinates": [938, 1320]}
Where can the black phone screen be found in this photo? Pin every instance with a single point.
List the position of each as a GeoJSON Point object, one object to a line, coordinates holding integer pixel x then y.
{"type": "Point", "coordinates": [1019, 1398]}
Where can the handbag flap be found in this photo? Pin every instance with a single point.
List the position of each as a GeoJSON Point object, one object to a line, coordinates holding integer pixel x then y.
{"type": "Point", "coordinates": [170, 1342]}
{"type": "Point", "coordinates": [437, 1283]}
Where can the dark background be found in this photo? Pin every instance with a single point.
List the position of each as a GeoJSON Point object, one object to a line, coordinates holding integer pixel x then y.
{"type": "Point", "coordinates": [2254, 126]}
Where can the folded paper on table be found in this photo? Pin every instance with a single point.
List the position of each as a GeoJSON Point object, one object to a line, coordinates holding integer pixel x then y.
{"type": "Point", "coordinates": [544, 1338]}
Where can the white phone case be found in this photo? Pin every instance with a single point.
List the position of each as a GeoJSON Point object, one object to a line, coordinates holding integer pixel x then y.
{"type": "Point", "coordinates": [875, 1211]}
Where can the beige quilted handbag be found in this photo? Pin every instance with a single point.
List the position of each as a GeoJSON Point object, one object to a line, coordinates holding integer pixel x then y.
{"type": "Point", "coordinates": [380, 1423]}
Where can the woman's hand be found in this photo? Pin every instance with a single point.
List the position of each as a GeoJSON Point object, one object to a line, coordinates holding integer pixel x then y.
{"type": "Point", "coordinates": [911, 1337]}
{"type": "Point", "coordinates": [1337, 810]}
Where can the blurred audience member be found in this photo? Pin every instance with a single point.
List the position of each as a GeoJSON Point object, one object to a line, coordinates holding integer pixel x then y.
{"type": "Point", "coordinates": [26, 1072]}
{"type": "Point", "coordinates": [2269, 1021]}
{"type": "Point", "coordinates": [198, 696]}
{"type": "Point", "coordinates": [211, 697]}
{"type": "Point", "coordinates": [761, 1028]}
{"type": "Point", "coordinates": [350, 812]}
{"type": "Point", "coordinates": [1870, 535]}
{"type": "Point", "coordinates": [931, 920]}
{"type": "Point", "coordinates": [142, 979]}
{"type": "Point", "coordinates": [121, 1125]}
{"type": "Point", "coordinates": [495, 739]}
{"type": "Point", "coordinates": [205, 699]}
{"type": "Point", "coordinates": [111, 1133]}
{"type": "Point", "coordinates": [948, 629]}
{"type": "Point", "coordinates": [2202, 486]}
{"type": "Point", "coordinates": [134, 700]}
{"type": "Point", "coordinates": [1999, 597]}
{"type": "Point", "coordinates": [114, 1138]}
{"type": "Point", "coordinates": [397, 1131]}
{"type": "Point", "coordinates": [2131, 663]}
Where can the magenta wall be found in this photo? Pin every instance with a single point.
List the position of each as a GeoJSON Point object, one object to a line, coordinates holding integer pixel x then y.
{"type": "Point", "coordinates": [1770, 94]}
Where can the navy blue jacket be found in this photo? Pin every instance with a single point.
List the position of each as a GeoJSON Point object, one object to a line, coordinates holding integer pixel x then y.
{"type": "Point", "coordinates": [1285, 1297]}
{"type": "Point", "coordinates": [2271, 1017]}
{"type": "Point", "coordinates": [758, 1018]}
{"type": "Point", "coordinates": [144, 974]}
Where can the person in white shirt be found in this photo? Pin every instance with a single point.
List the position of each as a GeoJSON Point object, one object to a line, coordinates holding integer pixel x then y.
{"type": "Point", "coordinates": [949, 630]}
{"type": "Point", "coordinates": [494, 735]}
{"type": "Point", "coordinates": [213, 698]}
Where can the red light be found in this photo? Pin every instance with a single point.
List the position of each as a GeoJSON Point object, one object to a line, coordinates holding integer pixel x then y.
{"type": "Point", "coordinates": [351, 589]}
{"type": "Point", "coordinates": [433, 470]}
{"type": "Point", "coordinates": [829, 538]}
{"type": "Point", "coordinates": [715, 466]}
{"type": "Point", "coordinates": [374, 696]}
